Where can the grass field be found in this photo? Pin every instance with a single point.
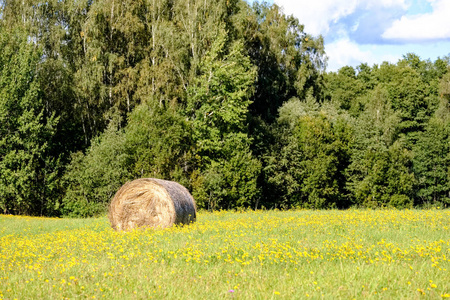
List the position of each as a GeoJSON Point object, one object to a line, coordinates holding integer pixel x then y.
{"type": "Point", "coordinates": [354, 254]}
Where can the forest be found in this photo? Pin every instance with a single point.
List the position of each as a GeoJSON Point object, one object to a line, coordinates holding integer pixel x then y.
{"type": "Point", "coordinates": [230, 99]}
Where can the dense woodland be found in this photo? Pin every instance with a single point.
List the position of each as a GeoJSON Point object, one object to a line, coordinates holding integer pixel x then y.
{"type": "Point", "coordinates": [231, 100]}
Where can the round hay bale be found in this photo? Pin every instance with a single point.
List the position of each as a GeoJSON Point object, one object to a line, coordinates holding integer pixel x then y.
{"type": "Point", "coordinates": [150, 202]}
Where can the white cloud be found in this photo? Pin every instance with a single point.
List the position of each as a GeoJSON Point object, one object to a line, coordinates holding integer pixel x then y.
{"type": "Point", "coordinates": [344, 52]}
{"type": "Point", "coordinates": [317, 15]}
{"type": "Point", "coordinates": [422, 27]}
{"type": "Point", "coordinates": [352, 28]}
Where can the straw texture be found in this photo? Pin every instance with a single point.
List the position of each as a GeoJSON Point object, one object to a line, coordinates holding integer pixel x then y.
{"type": "Point", "coordinates": [151, 202]}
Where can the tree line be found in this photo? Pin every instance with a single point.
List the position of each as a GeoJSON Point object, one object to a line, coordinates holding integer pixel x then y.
{"type": "Point", "coordinates": [232, 100]}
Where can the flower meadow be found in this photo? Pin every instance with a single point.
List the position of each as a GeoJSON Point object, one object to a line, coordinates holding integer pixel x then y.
{"type": "Point", "coordinates": [353, 254]}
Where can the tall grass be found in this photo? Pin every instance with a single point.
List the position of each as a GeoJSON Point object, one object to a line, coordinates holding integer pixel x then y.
{"type": "Point", "coordinates": [387, 254]}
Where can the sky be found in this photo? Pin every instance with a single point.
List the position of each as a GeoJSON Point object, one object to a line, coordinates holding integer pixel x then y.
{"type": "Point", "coordinates": [373, 31]}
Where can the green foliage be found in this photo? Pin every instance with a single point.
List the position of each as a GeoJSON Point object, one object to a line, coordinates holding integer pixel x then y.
{"type": "Point", "coordinates": [294, 109]}
{"type": "Point", "coordinates": [432, 159]}
{"type": "Point", "coordinates": [230, 99]}
{"type": "Point", "coordinates": [218, 104]}
{"type": "Point", "coordinates": [308, 170]}
{"type": "Point", "coordinates": [382, 177]}
{"type": "Point", "coordinates": [28, 173]}
{"type": "Point", "coordinates": [155, 143]}
{"type": "Point", "coordinates": [289, 61]}
{"type": "Point", "coordinates": [228, 183]}
{"type": "Point", "coordinates": [158, 143]}
{"type": "Point", "coordinates": [380, 162]}
{"type": "Point", "coordinates": [93, 178]}
{"type": "Point", "coordinates": [344, 88]}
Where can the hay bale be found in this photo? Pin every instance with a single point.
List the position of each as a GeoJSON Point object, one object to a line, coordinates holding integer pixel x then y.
{"type": "Point", "coordinates": [150, 202]}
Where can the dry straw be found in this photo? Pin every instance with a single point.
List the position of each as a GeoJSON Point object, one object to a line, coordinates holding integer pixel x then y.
{"type": "Point", "coordinates": [150, 202]}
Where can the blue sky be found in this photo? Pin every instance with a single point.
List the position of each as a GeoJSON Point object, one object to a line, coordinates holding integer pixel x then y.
{"type": "Point", "coordinates": [373, 31]}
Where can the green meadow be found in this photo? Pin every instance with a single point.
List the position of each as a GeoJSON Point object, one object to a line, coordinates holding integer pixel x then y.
{"type": "Point", "coordinates": [298, 254]}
